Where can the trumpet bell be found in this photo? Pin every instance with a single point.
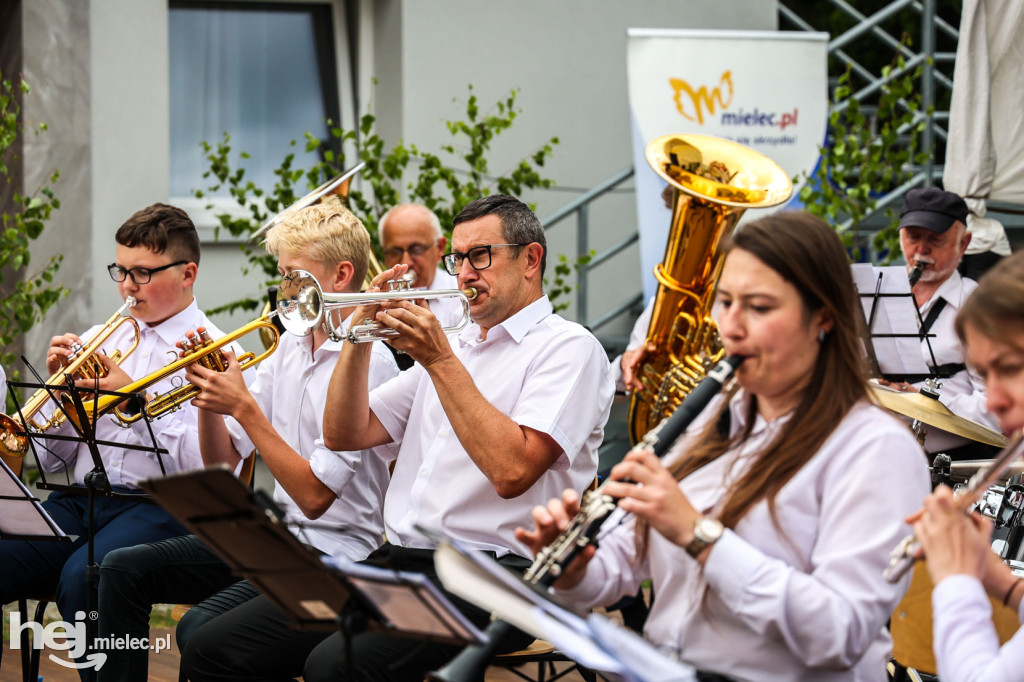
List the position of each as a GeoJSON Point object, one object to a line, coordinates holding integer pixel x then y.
{"type": "Point", "coordinates": [13, 441]}
{"type": "Point", "coordinates": [300, 306]}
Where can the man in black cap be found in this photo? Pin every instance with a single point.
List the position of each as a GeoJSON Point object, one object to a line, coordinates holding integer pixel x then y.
{"type": "Point", "coordinates": [933, 233]}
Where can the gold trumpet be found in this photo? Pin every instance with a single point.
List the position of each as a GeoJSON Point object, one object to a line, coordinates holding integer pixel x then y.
{"type": "Point", "coordinates": [82, 364]}
{"type": "Point", "coordinates": [198, 347]}
{"type": "Point", "coordinates": [303, 307]}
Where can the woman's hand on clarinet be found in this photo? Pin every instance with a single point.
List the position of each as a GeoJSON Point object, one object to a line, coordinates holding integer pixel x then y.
{"type": "Point", "coordinates": [646, 488]}
{"type": "Point", "coordinates": [549, 522]}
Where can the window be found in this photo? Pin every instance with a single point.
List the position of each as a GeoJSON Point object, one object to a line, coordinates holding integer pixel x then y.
{"type": "Point", "coordinates": [263, 72]}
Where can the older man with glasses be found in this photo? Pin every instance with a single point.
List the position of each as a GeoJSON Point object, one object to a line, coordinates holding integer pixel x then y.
{"type": "Point", "coordinates": [411, 235]}
{"type": "Point", "coordinates": [156, 263]}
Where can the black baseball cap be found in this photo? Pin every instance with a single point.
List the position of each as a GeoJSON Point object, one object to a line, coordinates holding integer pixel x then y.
{"type": "Point", "coordinates": [933, 209]}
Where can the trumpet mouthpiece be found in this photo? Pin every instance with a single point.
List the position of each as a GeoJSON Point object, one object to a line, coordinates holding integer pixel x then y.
{"type": "Point", "coordinates": [130, 301]}
{"type": "Point", "coordinates": [470, 292]}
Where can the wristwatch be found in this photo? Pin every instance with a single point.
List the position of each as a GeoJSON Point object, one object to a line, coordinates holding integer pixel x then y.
{"type": "Point", "coordinates": [706, 531]}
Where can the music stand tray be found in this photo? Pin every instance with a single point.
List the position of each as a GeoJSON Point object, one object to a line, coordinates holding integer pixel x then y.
{"type": "Point", "coordinates": [226, 516]}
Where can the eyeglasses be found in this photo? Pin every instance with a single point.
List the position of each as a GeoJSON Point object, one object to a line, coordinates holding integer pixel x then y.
{"type": "Point", "coordinates": [479, 257]}
{"type": "Point", "coordinates": [414, 250]}
{"type": "Point", "coordinates": [138, 275]}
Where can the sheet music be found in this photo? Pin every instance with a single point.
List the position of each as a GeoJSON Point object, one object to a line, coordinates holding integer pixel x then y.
{"type": "Point", "coordinates": [20, 512]}
{"type": "Point", "coordinates": [892, 315]}
{"type": "Point", "coordinates": [431, 614]}
{"type": "Point", "coordinates": [594, 641]}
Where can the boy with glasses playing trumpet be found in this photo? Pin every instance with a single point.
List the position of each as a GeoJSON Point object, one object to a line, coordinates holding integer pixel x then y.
{"type": "Point", "coordinates": [156, 263]}
{"type": "Point", "coordinates": [281, 415]}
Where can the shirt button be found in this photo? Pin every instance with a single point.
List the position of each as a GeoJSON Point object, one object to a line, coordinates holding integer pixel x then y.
{"type": "Point", "coordinates": [476, 352]}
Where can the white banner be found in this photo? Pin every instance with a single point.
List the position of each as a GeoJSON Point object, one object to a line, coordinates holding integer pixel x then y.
{"type": "Point", "coordinates": [766, 90]}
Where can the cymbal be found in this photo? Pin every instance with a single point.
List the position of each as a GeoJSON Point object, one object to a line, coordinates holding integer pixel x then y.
{"type": "Point", "coordinates": [930, 411]}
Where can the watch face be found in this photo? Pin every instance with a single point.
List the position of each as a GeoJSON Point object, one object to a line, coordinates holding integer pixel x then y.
{"type": "Point", "coordinates": [708, 529]}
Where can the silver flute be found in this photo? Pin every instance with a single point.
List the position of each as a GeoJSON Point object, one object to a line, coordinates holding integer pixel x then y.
{"type": "Point", "coordinates": [903, 555]}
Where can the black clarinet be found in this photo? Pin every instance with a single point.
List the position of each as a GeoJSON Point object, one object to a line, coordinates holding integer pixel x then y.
{"type": "Point", "coordinates": [915, 273]}
{"type": "Point", "coordinates": [595, 508]}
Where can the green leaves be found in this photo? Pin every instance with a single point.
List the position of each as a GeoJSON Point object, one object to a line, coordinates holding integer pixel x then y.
{"type": "Point", "coordinates": [444, 182]}
{"type": "Point", "coordinates": [25, 297]}
{"type": "Point", "coordinates": [867, 156]}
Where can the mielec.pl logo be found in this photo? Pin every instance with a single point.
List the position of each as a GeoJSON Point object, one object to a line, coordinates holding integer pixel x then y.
{"type": "Point", "coordinates": [61, 636]}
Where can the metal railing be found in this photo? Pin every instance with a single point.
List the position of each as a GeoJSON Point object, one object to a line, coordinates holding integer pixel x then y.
{"type": "Point", "coordinates": [869, 27]}
{"type": "Point", "coordinates": [580, 208]}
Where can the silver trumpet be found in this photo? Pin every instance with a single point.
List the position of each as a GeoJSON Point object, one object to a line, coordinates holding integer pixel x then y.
{"type": "Point", "coordinates": [902, 557]}
{"type": "Point", "coordinates": [303, 306]}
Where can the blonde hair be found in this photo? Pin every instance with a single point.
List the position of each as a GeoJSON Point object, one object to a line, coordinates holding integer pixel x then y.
{"type": "Point", "coordinates": [328, 233]}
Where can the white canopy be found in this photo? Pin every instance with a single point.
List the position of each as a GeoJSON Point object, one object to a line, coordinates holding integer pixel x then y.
{"type": "Point", "coordinates": [985, 150]}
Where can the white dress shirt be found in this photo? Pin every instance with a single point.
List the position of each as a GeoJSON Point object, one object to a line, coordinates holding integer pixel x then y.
{"type": "Point", "coordinates": [966, 644]}
{"type": "Point", "coordinates": [804, 600]}
{"type": "Point", "coordinates": [291, 390]}
{"type": "Point", "coordinates": [540, 370]}
{"type": "Point", "coordinates": [964, 392]}
{"type": "Point", "coordinates": [177, 431]}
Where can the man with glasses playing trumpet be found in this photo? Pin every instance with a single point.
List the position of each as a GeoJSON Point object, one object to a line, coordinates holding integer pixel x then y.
{"type": "Point", "coordinates": [489, 422]}
{"type": "Point", "coordinates": [156, 264]}
{"type": "Point", "coordinates": [280, 415]}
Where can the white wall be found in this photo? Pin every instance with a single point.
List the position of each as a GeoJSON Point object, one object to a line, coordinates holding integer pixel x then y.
{"type": "Point", "coordinates": [568, 58]}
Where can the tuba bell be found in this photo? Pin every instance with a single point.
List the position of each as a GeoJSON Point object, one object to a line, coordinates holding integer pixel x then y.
{"type": "Point", "coordinates": [714, 181]}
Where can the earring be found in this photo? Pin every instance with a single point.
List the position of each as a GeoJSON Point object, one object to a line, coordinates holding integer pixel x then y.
{"type": "Point", "coordinates": [821, 336]}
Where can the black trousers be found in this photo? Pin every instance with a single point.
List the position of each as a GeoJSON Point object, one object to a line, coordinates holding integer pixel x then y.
{"type": "Point", "coordinates": [254, 642]}
{"type": "Point", "coordinates": [179, 570]}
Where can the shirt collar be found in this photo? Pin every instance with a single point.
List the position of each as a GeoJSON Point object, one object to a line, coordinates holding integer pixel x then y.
{"type": "Point", "coordinates": [948, 289]}
{"type": "Point", "coordinates": [739, 408]}
{"type": "Point", "coordinates": [516, 326]}
{"type": "Point", "coordinates": [173, 328]}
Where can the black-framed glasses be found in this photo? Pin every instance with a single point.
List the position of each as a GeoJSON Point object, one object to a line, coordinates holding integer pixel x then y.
{"type": "Point", "coordinates": [414, 250]}
{"type": "Point", "coordinates": [138, 275]}
{"type": "Point", "coordinates": [479, 257]}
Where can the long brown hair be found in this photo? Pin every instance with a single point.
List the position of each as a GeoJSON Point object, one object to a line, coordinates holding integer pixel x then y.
{"type": "Point", "coordinates": [805, 252]}
{"type": "Point", "coordinates": [996, 308]}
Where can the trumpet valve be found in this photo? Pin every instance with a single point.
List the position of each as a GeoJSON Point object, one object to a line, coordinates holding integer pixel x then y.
{"type": "Point", "coordinates": [398, 284]}
{"type": "Point", "coordinates": [215, 359]}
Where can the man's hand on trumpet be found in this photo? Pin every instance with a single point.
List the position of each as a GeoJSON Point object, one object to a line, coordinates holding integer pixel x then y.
{"type": "Point", "coordinates": [420, 334]}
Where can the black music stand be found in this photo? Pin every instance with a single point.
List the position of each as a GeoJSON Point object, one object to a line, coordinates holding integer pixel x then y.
{"type": "Point", "coordinates": [96, 481]}
{"type": "Point", "coordinates": [883, 300]}
{"type": "Point", "coordinates": [256, 543]}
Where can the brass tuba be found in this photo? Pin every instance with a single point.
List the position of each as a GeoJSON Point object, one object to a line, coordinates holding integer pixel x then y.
{"type": "Point", "coordinates": [682, 340]}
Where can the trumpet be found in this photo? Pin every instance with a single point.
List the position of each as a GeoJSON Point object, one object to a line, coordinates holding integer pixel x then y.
{"type": "Point", "coordinates": [303, 306]}
{"type": "Point", "coordinates": [82, 364]}
{"type": "Point", "coordinates": [197, 347]}
{"type": "Point", "coordinates": [903, 555]}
